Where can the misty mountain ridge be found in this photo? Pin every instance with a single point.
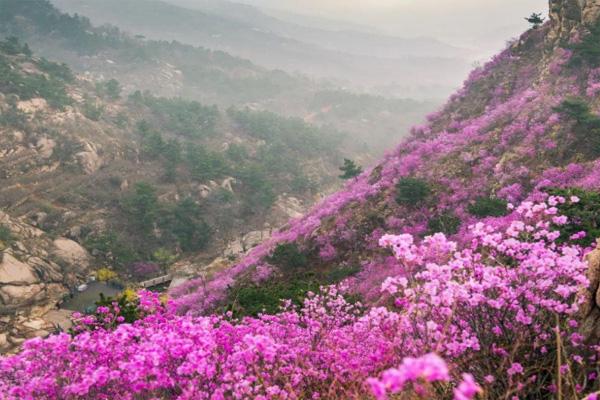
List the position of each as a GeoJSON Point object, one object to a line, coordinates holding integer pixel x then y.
{"type": "Point", "coordinates": [357, 59]}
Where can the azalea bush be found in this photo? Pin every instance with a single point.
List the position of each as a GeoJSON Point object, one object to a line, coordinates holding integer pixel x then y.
{"type": "Point", "coordinates": [583, 215]}
{"type": "Point", "coordinates": [493, 314]}
{"type": "Point", "coordinates": [128, 307]}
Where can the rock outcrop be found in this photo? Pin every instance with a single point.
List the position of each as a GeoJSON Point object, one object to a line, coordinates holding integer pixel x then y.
{"type": "Point", "coordinates": [590, 298]}
{"type": "Point", "coordinates": [35, 273]}
{"type": "Point", "coordinates": [567, 15]}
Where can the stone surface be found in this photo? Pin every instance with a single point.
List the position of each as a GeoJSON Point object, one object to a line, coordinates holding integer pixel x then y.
{"type": "Point", "coordinates": [71, 252]}
{"type": "Point", "coordinates": [12, 295]}
{"type": "Point", "coordinates": [590, 297]}
{"type": "Point", "coordinates": [566, 15]}
{"type": "Point", "coordinates": [13, 271]}
{"type": "Point", "coordinates": [88, 159]}
{"type": "Point", "coordinates": [244, 244]}
{"type": "Point", "coordinates": [32, 283]}
{"type": "Point", "coordinates": [290, 206]}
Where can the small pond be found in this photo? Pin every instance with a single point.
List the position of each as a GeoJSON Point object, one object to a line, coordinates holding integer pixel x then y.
{"type": "Point", "coordinates": [87, 299]}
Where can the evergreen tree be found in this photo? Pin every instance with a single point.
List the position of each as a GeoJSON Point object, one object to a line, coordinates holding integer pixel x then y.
{"type": "Point", "coordinates": [535, 19]}
{"type": "Point", "coordinates": [350, 169]}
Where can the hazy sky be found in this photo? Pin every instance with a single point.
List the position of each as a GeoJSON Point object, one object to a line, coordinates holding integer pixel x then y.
{"type": "Point", "coordinates": [466, 22]}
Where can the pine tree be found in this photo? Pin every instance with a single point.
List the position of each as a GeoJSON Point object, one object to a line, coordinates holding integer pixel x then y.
{"type": "Point", "coordinates": [535, 19]}
{"type": "Point", "coordinates": [349, 169]}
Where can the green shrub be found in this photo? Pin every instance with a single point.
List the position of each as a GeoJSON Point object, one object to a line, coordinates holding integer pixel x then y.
{"type": "Point", "coordinates": [110, 89]}
{"type": "Point", "coordinates": [288, 257]}
{"type": "Point", "coordinates": [92, 110]}
{"type": "Point", "coordinates": [204, 164]}
{"type": "Point", "coordinates": [412, 191]}
{"type": "Point", "coordinates": [142, 207]}
{"type": "Point", "coordinates": [59, 71]}
{"type": "Point", "coordinates": [349, 169]}
{"type": "Point", "coordinates": [488, 207]}
{"type": "Point", "coordinates": [12, 116]}
{"type": "Point", "coordinates": [583, 216]}
{"type": "Point", "coordinates": [258, 193]}
{"type": "Point", "coordinates": [6, 236]}
{"type": "Point", "coordinates": [587, 125]}
{"type": "Point", "coordinates": [587, 51]}
{"type": "Point", "coordinates": [152, 145]}
{"type": "Point", "coordinates": [266, 296]}
{"type": "Point", "coordinates": [236, 152]}
{"type": "Point", "coordinates": [184, 222]}
{"type": "Point", "coordinates": [184, 117]}
{"type": "Point", "coordinates": [28, 86]}
{"type": "Point", "coordinates": [340, 273]}
{"type": "Point", "coordinates": [535, 19]}
{"type": "Point", "coordinates": [112, 248]}
{"type": "Point", "coordinates": [12, 46]}
{"type": "Point", "coordinates": [446, 223]}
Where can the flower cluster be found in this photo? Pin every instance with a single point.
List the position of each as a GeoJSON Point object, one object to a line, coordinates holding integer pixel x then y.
{"type": "Point", "coordinates": [491, 304]}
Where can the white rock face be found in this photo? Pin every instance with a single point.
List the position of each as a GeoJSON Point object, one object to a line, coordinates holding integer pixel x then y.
{"type": "Point", "coordinates": [88, 159]}
{"type": "Point", "coordinates": [32, 283]}
{"type": "Point", "coordinates": [227, 183]}
{"type": "Point", "coordinates": [71, 252]}
{"type": "Point", "coordinates": [247, 242]}
{"type": "Point", "coordinates": [13, 271]}
{"type": "Point", "coordinates": [291, 206]}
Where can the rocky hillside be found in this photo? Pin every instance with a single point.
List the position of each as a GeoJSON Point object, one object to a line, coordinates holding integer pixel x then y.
{"type": "Point", "coordinates": [170, 68]}
{"type": "Point", "coordinates": [36, 271]}
{"type": "Point", "coordinates": [524, 124]}
{"type": "Point", "coordinates": [139, 181]}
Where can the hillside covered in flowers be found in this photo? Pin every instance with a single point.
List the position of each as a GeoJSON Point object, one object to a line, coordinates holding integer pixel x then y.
{"type": "Point", "coordinates": [460, 267]}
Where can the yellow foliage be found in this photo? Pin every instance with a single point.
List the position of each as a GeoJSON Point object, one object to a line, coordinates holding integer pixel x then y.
{"type": "Point", "coordinates": [130, 295]}
{"type": "Point", "coordinates": [105, 274]}
{"type": "Point", "coordinates": [164, 298]}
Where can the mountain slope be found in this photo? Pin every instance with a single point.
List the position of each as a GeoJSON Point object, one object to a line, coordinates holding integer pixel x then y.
{"type": "Point", "coordinates": [468, 297]}
{"type": "Point", "coordinates": [175, 177]}
{"type": "Point", "coordinates": [525, 122]}
{"type": "Point", "coordinates": [211, 77]}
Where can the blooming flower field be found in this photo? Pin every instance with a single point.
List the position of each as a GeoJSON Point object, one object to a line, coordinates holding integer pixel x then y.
{"type": "Point", "coordinates": [487, 310]}
{"type": "Point", "coordinates": [493, 308]}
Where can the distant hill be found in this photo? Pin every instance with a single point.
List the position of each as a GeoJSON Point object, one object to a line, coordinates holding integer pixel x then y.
{"type": "Point", "coordinates": [211, 77]}
{"type": "Point", "coordinates": [354, 58]}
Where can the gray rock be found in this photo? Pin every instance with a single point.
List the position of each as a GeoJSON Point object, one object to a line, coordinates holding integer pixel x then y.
{"type": "Point", "coordinates": [13, 271]}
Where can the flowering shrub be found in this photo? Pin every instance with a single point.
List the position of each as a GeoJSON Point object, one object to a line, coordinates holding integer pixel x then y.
{"type": "Point", "coordinates": [106, 274]}
{"type": "Point", "coordinates": [421, 373]}
{"type": "Point", "coordinates": [127, 308]}
{"type": "Point", "coordinates": [493, 304]}
{"type": "Point", "coordinates": [583, 215]}
{"type": "Point", "coordinates": [489, 307]}
{"type": "Point", "coordinates": [141, 269]}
